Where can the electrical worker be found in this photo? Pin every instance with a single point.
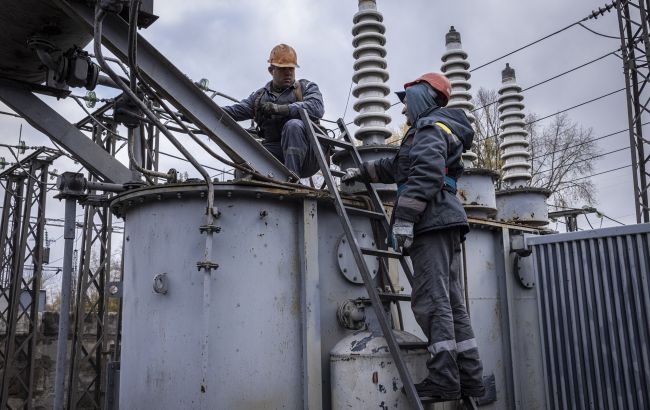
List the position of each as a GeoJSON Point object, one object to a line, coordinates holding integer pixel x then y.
{"type": "Point", "coordinates": [429, 222]}
{"type": "Point", "coordinates": [275, 109]}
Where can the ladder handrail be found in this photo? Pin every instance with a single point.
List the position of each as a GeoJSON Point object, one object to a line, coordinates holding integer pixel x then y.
{"type": "Point", "coordinates": [374, 196]}
{"type": "Point", "coordinates": [393, 346]}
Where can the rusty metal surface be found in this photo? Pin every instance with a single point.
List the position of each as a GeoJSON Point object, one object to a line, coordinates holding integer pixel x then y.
{"type": "Point", "coordinates": [523, 205]}
{"type": "Point", "coordinates": [476, 193]}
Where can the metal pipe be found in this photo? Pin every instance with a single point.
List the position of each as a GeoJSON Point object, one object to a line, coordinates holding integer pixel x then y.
{"type": "Point", "coordinates": [104, 186]}
{"type": "Point", "coordinates": [64, 311]}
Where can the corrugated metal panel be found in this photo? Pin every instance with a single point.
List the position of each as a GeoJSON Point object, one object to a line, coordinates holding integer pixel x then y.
{"type": "Point", "coordinates": [594, 301]}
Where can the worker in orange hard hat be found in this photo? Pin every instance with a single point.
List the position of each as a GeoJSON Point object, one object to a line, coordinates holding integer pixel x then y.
{"type": "Point", "coordinates": [275, 108]}
{"type": "Point", "coordinates": [429, 223]}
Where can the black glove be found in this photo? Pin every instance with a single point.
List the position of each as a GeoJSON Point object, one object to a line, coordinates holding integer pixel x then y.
{"type": "Point", "coordinates": [268, 109]}
{"type": "Point", "coordinates": [351, 176]}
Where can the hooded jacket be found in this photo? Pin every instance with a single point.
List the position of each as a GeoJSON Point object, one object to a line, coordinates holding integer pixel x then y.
{"type": "Point", "coordinates": [427, 153]}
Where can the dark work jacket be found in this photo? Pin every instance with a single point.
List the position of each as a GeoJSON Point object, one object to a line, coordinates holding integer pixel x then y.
{"type": "Point", "coordinates": [271, 128]}
{"type": "Point", "coordinates": [418, 168]}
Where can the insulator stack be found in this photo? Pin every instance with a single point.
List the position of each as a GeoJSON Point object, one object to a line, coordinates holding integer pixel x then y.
{"type": "Point", "coordinates": [370, 75]}
{"type": "Point", "coordinates": [514, 146]}
{"type": "Point", "coordinates": [456, 67]}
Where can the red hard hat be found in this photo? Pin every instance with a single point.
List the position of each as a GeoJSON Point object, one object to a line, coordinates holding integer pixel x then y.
{"type": "Point", "coordinates": [437, 81]}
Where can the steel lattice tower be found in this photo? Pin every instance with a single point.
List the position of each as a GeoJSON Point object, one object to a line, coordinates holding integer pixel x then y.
{"type": "Point", "coordinates": [21, 244]}
{"type": "Point", "coordinates": [635, 45]}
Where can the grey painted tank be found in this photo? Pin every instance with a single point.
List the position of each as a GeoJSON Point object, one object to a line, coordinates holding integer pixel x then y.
{"type": "Point", "coordinates": [364, 375]}
{"type": "Point", "coordinates": [256, 339]}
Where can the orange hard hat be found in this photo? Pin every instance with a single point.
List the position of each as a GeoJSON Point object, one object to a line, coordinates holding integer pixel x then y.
{"type": "Point", "coordinates": [437, 81]}
{"type": "Point", "coordinates": [283, 55]}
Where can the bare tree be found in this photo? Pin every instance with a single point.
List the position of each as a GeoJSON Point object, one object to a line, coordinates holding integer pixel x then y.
{"type": "Point", "coordinates": [561, 152]}
{"type": "Point", "coordinates": [487, 138]}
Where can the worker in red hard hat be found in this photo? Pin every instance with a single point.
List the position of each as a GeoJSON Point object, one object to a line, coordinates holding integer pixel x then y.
{"type": "Point", "coordinates": [275, 108]}
{"type": "Point", "coordinates": [429, 223]}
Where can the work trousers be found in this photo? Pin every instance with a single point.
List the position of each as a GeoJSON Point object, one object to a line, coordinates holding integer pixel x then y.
{"type": "Point", "coordinates": [294, 149]}
{"type": "Point", "coordinates": [439, 308]}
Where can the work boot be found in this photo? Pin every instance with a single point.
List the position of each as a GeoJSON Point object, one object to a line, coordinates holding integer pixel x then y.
{"type": "Point", "coordinates": [427, 389]}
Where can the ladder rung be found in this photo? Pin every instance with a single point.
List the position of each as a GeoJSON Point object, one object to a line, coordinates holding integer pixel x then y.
{"type": "Point", "coordinates": [365, 212]}
{"type": "Point", "coordinates": [379, 252]}
{"type": "Point", "coordinates": [395, 296]}
{"type": "Point", "coordinates": [331, 141]}
{"type": "Point", "coordinates": [413, 345]}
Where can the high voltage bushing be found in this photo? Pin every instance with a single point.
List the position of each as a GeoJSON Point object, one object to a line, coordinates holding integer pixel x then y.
{"type": "Point", "coordinates": [514, 137]}
{"type": "Point", "coordinates": [455, 66]}
{"type": "Point", "coordinates": [370, 75]}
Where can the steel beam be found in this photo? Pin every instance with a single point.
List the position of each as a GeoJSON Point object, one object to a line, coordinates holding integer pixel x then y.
{"type": "Point", "coordinates": [176, 87]}
{"type": "Point", "coordinates": [42, 117]}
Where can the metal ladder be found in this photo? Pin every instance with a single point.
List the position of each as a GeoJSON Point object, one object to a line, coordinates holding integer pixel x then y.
{"type": "Point", "coordinates": [316, 139]}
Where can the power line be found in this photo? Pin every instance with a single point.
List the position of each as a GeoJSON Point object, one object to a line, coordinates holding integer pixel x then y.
{"type": "Point", "coordinates": [597, 33]}
{"type": "Point", "coordinates": [561, 111]}
{"type": "Point", "coordinates": [10, 114]}
{"type": "Point", "coordinates": [585, 159]}
{"type": "Point", "coordinates": [593, 15]}
{"type": "Point", "coordinates": [596, 174]}
{"type": "Point", "coordinates": [553, 78]}
{"type": "Point", "coordinates": [598, 212]}
{"type": "Point", "coordinates": [578, 105]}
{"type": "Point", "coordinates": [186, 160]}
{"type": "Point", "coordinates": [586, 142]}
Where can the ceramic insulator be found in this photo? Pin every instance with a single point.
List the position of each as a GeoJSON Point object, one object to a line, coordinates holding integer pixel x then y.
{"type": "Point", "coordinates": [370, 75]}
{"type": "Point", "coordinates": [456, 67]}
{"type": "Point", "coordinates": [515, 156]}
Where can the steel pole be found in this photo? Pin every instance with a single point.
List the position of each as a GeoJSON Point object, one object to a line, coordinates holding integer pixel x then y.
{"type": "Point", "coordinates": [64, 318]}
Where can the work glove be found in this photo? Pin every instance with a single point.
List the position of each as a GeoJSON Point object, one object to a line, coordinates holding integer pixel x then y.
{"type": "Point", "coordinates": [351, 176]}
{"type": "Point", "coordinates": [402, 234]}
{"type": "Point", "coordinates": [268, 109]}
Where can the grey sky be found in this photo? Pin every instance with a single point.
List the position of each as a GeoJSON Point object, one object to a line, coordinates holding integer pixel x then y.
{"type": "Point", "coordinates": [228, 42]}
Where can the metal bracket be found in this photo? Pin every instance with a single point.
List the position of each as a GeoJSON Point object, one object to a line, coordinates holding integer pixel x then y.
{"type": "Point", "coordinates": [207, 265]}
{"type": "Point", "coordinates": [518, 245]}
{"type": "Point", "coordinates": [209, 228]}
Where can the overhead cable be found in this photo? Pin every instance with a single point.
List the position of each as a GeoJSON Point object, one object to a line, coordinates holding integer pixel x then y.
{"type": "Point", "coordinates": [561, 111]}
{"type": "Point", "coordinates": [588, 141]}
{"type": "Point", "coordinates": [592, 15]}
{"type": "Point", "coordinates": [584, 160]}
{"type": "Point", "coordinates": [553, 78]}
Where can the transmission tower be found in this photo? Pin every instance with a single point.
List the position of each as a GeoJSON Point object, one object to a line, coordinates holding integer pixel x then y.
{"type": "Point", "coordinates": [634, 28]}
